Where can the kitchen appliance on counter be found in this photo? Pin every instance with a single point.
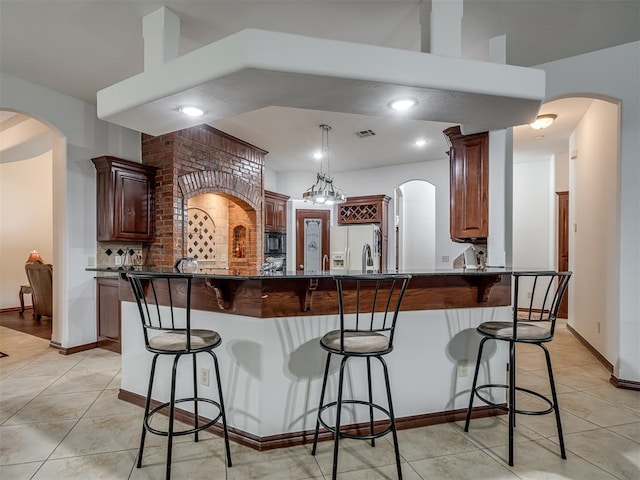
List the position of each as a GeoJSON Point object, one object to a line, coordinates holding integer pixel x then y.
{"type": "Point", "coordinates": [275, 243]}
{"type": "Point", "coordinates": [356, 248]}
{"type": "Point", "coordinates": [274, 264]}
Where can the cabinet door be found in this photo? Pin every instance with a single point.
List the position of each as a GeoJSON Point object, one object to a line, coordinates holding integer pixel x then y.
{"type": "Point", "coordinates": [132, 213]}
{"type": "Point", "coordinates": [469, 187]}
{"type": "Point", "coordinates": [269, 214]}
{"type": "Point", "coordinates": [275, 212]}
{"type": "Point", "coordinates": [281, 215]}
{"type": "Point", "coordinates": [125, 200]}
{"type": "Point", "coordinates": [108, 313]}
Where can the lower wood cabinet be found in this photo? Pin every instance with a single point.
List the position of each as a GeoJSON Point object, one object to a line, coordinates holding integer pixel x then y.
{"type": "Point", "coordinates": [108, 313]}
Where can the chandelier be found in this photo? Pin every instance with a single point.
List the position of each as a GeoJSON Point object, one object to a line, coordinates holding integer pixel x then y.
{"type": "Point", "coordinates": [323, 191]}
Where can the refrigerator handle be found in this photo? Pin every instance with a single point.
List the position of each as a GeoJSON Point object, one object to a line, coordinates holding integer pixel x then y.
{"type": "Point", "coordinates": [347, 256]}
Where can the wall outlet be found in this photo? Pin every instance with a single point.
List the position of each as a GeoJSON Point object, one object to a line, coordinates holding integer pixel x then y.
{"type": "Point", "coordinates": [463, 368]}
{"type": "Point", "coordinates": [598, 325]}
{"type": "Point", "coordinates": [528, 294]}
{"type": "Point", "coordinates": [118, 260]}
{"type": "Point", "coordinates": [204, 376]}
{"type": "Point", "coordinates": [445, 258]}
{"type": "Point", "coordinates": [91, 261]}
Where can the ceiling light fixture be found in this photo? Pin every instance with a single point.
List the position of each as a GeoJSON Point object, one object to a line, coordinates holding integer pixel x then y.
{"type": "Point", "coordinates": [403, 104]}
{"type": "Point", "coordinates": [421, 142]}
{"type": "Point", "coordinates": [191, 111]}
{"type": "Point", "coordinates": [323, 191]}
{"type": "Point", "coordinates": [543, 121]}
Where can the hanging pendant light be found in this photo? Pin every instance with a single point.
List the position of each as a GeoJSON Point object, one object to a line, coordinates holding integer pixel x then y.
{"type": "Point", "coordinates": [323, 191]}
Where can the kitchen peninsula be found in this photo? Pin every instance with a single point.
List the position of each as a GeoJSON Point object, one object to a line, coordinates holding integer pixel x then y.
{"type": "Point", "coordinates": [272, 364]}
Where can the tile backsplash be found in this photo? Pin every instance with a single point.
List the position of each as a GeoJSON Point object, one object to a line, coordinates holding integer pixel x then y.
{"type": "Point", "coordinates": [113, 254]}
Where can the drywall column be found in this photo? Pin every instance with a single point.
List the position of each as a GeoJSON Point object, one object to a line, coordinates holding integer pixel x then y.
{"type": "Point", "coordinates": [499, 243]}
{"type": "Point", "coordinates": [446, 27]}
{"type": "Point", "coordinates": [161, 32]}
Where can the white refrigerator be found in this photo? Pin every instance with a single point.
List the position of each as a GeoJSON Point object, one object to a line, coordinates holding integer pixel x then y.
{"type": "Point", "coordinates": [348, 243]}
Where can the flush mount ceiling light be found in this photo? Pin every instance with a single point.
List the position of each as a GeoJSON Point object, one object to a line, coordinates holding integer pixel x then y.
{"type": "Point", "coordinates": [403, 104]}
{"type": "Point", "coordinates": [323, 191]}
{"type": "Point", "coordinates": [543, 121]}
{"type": "Point", "coordinates": [421, 142]}
{"type": "Point", "coordinates": [191, 111]}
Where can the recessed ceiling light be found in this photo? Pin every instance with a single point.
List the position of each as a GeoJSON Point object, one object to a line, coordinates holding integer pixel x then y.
{"type": "Point", "coordinates": [543, 121]}
{"type": "Point", "coordinates": [191, 111]}
{"type": "Point", "coordinates": [421, 142]}
{"type": "Point", "coordinates": [403, 104]}
{"type": "Point", "coordinates": [317, 155]}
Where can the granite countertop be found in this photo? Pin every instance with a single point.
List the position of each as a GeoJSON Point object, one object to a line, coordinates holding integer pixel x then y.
{"type": "Point", "coordinates": [255, 275]}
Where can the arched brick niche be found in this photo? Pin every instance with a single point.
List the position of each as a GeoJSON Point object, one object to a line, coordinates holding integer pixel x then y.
{"type": "Point", "coordinates": [196, 161]}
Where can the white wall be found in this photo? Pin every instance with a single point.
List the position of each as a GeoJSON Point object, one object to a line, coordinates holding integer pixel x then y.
{"type": "Point", "coordinates": [78, 136]}
{"type": "Point", "coordinates": [615, 73]}
{"type": "Point", "coordinates": [532, 198]}
{"type": "Point", "coordinates": [594, 246]}
{"type": "Point", "coordinates": [533, 218]}
{"type": "Point", "coordinates": [26, 216]}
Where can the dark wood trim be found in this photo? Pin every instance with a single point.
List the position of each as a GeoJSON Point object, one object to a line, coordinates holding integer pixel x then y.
{"type": "Point", "coordinates": [291, 439]}
{"type": "Point", "coordinates": [78, 348]}
{"type": "Point", "coordinates": [15, 309]}
{"type": "Point", "coordinates": [608, 365]}
{"type": "Point", "coordinates": [627, 384]}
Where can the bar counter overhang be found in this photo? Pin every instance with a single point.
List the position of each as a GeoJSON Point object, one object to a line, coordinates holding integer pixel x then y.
{"type": "Point", "coordinates": [272, 364]}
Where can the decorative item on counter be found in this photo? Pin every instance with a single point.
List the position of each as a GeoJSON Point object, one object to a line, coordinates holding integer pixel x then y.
{"type": "Point", "coordinates": [470, 258]}
{"type": "Point", "coordinates": [187, 265]}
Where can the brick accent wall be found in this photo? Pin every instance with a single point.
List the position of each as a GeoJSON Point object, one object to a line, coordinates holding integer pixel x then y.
{"type": "Point", "coordinates": [201, 160]}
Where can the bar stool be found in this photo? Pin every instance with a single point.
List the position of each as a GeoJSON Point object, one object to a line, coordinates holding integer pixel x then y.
{"type": "Point", "coordinates": [375, 300]}
{"type": "Point", "coordinates": [545, 291]}
{"type": "Point", "coordinates": [164, 302]}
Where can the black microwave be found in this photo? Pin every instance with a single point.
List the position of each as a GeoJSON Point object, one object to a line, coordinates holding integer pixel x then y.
{"type": "Point", "coordinates": [275, 243]}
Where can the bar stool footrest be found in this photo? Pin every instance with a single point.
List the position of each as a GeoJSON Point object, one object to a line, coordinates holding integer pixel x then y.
{"type": "Point", "coordinates": [480, 395]}
{"type": "Point", "coordinates": [191, 431]}
{"type": "Point", "coordinates": [354, 435]}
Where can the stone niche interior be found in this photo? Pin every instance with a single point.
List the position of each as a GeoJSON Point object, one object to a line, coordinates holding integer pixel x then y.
{"type": "Point", "coordinates": [221, 231]}
{"type": "Point", "coordinates": [209, 191]}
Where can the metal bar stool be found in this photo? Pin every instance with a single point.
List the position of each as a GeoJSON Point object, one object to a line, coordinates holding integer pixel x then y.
{"type": "Point", "coordinates": [546, 290]}
{"type": "Point", "coordinates": [164, 302]}
{"type": "Point", "coordinates": [375, 300]}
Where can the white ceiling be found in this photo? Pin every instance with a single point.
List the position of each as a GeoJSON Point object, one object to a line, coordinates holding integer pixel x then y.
{"type": "Point", "coordinates": [80, 47]}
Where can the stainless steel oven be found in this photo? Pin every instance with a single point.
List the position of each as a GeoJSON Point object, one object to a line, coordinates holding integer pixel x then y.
{"type": "Point", "coordinates": [275, 243]}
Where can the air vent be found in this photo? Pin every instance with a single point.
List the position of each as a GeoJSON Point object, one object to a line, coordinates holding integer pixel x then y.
{"type": "Point", "coordinates": [365, 133]}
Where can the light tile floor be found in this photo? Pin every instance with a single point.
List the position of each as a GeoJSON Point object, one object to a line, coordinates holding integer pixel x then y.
{"type": "Point", "coordinates": [60, 418]}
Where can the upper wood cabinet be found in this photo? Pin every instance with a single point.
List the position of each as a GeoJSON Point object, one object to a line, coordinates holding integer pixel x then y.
{"type": "Point", "coordinates": [275, 212]}
{"type": "Point", "coordinates": [125, 200]}
{"type": "Point", "coordinates": [368, 209]}
{"type": "Point", "coordinates": [365, 209]}
{"type": "Point", "coordinates": [469, 160]}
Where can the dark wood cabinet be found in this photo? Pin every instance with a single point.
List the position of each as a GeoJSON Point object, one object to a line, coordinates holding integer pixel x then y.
{"type": "Point", "coordinates": [368, 209]}
{"type": "Point", "coordinates": [469, 161]}
{"type": "Point", "coordinates": [125, 200]}
{"type": "Point", "coordinates": [275, 212]}
{"type": "Point", "coordinates": [108, 313]}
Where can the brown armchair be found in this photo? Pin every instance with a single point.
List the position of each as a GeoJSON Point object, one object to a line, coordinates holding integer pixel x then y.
{"type": "Point", "coordinates": [40, 277]}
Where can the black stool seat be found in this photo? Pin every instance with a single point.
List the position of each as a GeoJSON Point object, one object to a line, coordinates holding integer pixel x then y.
{"type": "Point", "coordinates": [546, 290]}
{"type": "Point", "coordinates": [164, 303]}
{"type": "Point", "coordinates": [374, 301]}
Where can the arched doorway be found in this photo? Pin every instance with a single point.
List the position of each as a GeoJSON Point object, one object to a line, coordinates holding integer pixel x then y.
{"type": "Point", "coordinates": [29, 160]}
{"type": "Point", "coordinates": [584, 162]}
{"type": "Point", "coordinates": [415, 225]}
